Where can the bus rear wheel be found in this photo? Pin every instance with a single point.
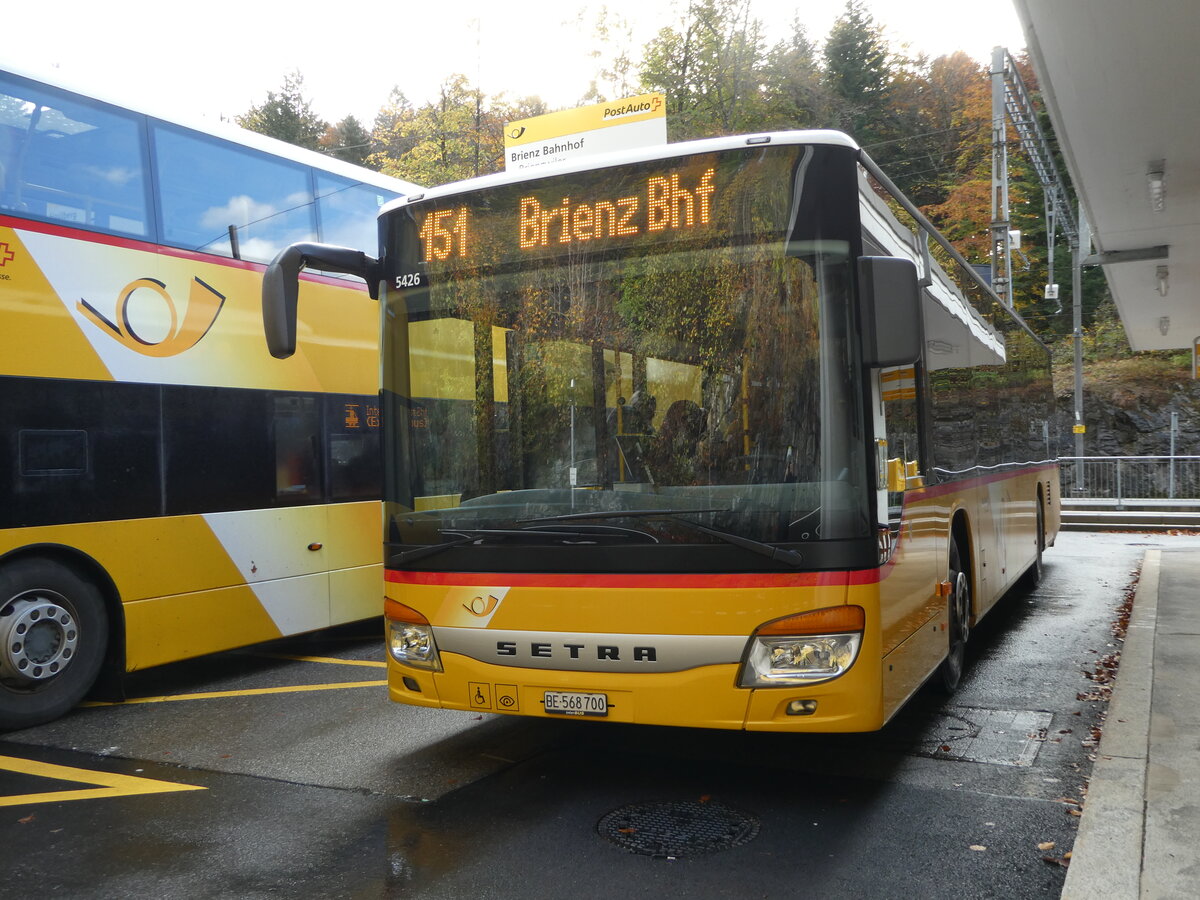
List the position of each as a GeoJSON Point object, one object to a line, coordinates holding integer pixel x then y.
{"type": "Point", "coordinates": [960, 622]}
{"type": "Point", "coordinates": [53, 634]}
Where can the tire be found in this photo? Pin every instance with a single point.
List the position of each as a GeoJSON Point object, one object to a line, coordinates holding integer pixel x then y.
{"type": "Point", "coordinates": [951, 671]}
{"type": "Point", "coordinates": [1033, 575]}
{"type": "Point", "coordinates": [53, 638]}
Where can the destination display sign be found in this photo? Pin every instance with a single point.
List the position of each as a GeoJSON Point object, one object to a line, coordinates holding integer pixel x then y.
{"type": "Point", "coordinates": [664, 202]}
{"type": "Point", "coordinates": [710, 199]}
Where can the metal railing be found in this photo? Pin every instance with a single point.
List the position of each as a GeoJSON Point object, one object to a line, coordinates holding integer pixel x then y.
{"type": "Point", "coordinates": [1130, 479]}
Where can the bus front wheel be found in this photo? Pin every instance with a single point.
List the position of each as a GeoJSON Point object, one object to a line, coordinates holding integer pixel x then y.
{"type": "Point", "coordinates": [53, 633]}
{"type": "Point", "coordinates": [959, 615]}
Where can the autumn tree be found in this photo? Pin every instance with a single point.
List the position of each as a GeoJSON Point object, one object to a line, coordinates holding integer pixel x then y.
{"type": "Point", "coordinates": [858, 73]}
{"type": "Point", "coordinates": [795, 94]}
{"type": "Point", "coordinates": [286, 115]}
{"type": "Point", "coordinates": [616, 75]}
{"type": "Point", "coordinates": [391, 135]}
{"type": "Point", "coordinates": [710, 68]}
{"type": "Point", "coordinates": [444, 138]}
{"type": "Point", "coordinates": [348, 140]}
{"type": "Point", "coordinates": [459, 135]}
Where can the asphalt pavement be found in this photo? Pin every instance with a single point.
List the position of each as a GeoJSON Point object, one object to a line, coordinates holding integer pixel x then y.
{"type": "Point", "coordinates": [1139, 836]}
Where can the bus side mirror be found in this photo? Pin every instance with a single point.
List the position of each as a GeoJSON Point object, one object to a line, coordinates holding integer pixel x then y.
{"type": "Point", "coordinates": [890, 306]}
{"type": "Point", "coordinates": [281, 287]}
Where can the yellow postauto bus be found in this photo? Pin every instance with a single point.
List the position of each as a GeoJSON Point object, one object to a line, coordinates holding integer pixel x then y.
{"type": "Point", "coordinates": [699, 435]}
{"type": "Point", "coordinates": [164, 491]}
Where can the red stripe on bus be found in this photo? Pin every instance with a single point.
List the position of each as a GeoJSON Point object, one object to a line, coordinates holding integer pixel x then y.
{"type": "Point", "coordinates": [637, 580]}
{"type": "Point", "coordinates": [112, 240]}
{"type": "Point", "coordinates": [954, 487]}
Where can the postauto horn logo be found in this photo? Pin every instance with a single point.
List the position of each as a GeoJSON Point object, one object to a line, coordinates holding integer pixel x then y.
{"type": "Point", "coordinates": [203, 305]}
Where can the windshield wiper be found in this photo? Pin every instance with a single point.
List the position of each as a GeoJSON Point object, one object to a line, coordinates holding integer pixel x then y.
{"type": "Point", "coordinates": [472, 535]}
{"type": "Point", "coordinates": [592, 532]}
{"type": "Point", "coordinates": [618, 514]}
{"type": "Point", "coordinates": [421, 552]}
{"type": "Point", "coordinates": [762, 548]}
{"type": "Point", "coordinates": [770, 551]}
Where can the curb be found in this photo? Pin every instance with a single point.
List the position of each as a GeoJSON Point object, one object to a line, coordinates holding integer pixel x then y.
{"type": "Point", "coordinates": [1106, 860]}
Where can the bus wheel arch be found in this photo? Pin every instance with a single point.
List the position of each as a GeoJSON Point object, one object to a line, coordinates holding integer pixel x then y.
{"type": "Point", "coordinates": [60, 623]}
{"type": "Point", "coordinates": [959, 605]}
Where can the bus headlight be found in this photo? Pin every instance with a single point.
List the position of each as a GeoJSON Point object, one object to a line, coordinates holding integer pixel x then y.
{"type": "Point", "coordinates": [804, 649]}
{"type": "Point", "coordinates": [410, 637]}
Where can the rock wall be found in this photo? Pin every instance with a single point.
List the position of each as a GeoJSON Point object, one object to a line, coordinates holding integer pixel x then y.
{"type": "Point", "coordinates": [1130, 418]}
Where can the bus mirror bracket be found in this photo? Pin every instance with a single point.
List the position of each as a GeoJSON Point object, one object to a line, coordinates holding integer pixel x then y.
{"type": "Point", "coordinates": [281, 286]}
{"type": "Point", "coordinates": [890, 307]}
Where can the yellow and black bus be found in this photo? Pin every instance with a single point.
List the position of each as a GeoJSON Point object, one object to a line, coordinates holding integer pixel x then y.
{"type": "Point", "coordinates": [700, 435]}
{"type": "Point", "coordinates": [164, 492]}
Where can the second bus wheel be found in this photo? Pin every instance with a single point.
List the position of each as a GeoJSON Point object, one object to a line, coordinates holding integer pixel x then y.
{"type": "Point", "coordinates": [53, 635]}
{"type": "Point", "coordinates": [960, 621]}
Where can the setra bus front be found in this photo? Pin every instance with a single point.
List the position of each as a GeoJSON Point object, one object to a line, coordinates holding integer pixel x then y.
{"type": "Point", "coordinates": [631, 465]}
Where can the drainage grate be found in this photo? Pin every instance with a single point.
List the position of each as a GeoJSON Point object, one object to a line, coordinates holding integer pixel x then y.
{"type": "Point", "coordinates": [998, 737]}
{"type": "Point", "coordinates": [675, 829]}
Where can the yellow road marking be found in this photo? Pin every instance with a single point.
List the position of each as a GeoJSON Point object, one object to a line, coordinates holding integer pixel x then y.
{"type": "Point", "coordinates": [108, 784]}
{"type": "Point", "coordinates": [250, 692]}
{"type": "Point", "coordinates": [330, 660]}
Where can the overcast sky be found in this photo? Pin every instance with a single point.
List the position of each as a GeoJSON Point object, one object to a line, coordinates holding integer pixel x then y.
{"type": "Point", "coordinates": [185, 59]}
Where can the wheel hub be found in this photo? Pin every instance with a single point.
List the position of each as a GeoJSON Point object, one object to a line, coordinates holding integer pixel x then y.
{"type": "Point", "coordinates": [962, 607]}
{"type": "Point", "coordinates": [38, 636]}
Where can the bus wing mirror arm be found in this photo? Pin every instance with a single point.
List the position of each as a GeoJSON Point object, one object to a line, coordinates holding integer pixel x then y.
{"type": "Point", "coordinates": [281, 286]}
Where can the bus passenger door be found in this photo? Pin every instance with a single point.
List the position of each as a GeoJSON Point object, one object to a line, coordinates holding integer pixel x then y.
{"type": "Point", "coordinates": [908, 597]}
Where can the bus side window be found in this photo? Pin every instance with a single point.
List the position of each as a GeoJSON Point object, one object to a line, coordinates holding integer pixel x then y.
{"type": "Point", "coordinates": [352, 426]}
{"type": "Point", "coordinates": [297, 436]}
{"type": "Point", "coordinates": [206, 185]}
{"type": "Point", "coordinates": [9, 140]}
{"type": "Point", "coordinates": [71, 162]}
{"type": "Point", "coordinates": [346, 211]}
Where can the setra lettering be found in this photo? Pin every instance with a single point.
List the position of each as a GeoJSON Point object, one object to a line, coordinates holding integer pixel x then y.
{"type": "Point", "coordinates": [601, 652]}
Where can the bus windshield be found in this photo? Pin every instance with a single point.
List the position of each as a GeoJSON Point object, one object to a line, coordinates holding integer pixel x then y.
{"type": "Point", "coordinates": [622, 355]}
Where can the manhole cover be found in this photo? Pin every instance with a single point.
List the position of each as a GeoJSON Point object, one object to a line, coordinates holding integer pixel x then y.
{"type": "Point", "coordinates": [674, 829]}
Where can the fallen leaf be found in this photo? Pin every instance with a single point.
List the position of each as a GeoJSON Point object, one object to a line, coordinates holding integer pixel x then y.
{"type": "Point", "coordinates": [704, 798]}
{"type": "Point", "coordinates": [1046, 845]}
{"type": "Point", "coordinates": [627, 830]}
{"type": "Point", "coordinates": [1074, 812]}
{"type": "Point", "coordinates": [978, 847]}
{"type": "Point", "coordinates": [25, 821]}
